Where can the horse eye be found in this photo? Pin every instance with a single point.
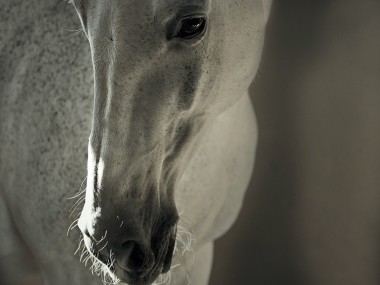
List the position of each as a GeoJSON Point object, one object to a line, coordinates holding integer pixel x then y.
{"type": "Point", "coordinates": [191, 27]}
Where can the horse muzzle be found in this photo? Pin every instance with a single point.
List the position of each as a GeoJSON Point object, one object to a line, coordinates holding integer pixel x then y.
{"type": "Point", "coordinates": [131, 258]}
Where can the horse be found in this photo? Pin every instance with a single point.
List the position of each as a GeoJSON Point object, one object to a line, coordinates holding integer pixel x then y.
{"type": "Point", "coordinates": [162, 89]}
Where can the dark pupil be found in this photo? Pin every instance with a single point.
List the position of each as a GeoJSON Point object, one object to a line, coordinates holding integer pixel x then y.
{"type": "Point", "coordinates": [191, 26]}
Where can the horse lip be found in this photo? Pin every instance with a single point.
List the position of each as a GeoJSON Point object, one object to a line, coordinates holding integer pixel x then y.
{"type": "Point", "coordinates": [130, 279]}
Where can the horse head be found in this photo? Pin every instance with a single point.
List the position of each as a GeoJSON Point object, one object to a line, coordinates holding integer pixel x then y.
{"type": "Point", "coordinates": [163, 70]}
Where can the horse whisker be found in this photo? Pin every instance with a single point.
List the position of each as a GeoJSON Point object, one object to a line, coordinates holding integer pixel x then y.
{"type": "Point", "coordinates": [104, 246]}
{"type": "Point", "coordinates": [76, 205]}
{"type": "Point", "coordinates": [72, 226]}
{"type": "Point", "coordinates": [80, 190]}
{"type": "Point", "coordinates": [79, 246]}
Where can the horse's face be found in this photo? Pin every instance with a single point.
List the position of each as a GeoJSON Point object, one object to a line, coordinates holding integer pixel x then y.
{"type": "Point", "coordinates": [163, 69]}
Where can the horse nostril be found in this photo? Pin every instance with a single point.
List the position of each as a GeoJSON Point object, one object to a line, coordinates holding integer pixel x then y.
{"type": "Point", "coordinates": [135, 259]}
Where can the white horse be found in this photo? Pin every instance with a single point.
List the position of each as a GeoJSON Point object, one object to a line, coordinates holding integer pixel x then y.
{"type": "Point", "coordinates": [171, 146]}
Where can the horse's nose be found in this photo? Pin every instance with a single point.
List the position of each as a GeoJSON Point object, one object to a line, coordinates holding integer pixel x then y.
{"type": "Point", "coordinates": [130, 257]}
{"type": "Point", "coordinates": [132, 252]}
{"type": "Point", "coordinates": [134, 258]}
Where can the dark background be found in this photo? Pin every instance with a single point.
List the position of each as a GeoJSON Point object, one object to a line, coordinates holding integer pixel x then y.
{"type": "Point", "coordinates": [312, 212]}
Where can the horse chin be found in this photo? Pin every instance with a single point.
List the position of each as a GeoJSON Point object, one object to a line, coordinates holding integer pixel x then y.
{"type": "Point", "coordinates": [147, 279]}
{"type": "Point", "coordinates": [125, 277]}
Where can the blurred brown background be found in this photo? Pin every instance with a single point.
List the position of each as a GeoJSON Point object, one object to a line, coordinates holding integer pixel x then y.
{"type": "Point", "coordinates": [312, 213]}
